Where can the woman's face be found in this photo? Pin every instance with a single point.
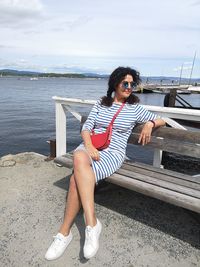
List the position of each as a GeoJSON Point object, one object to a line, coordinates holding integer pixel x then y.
{"type": "Point", "coordinates": [125, 88]}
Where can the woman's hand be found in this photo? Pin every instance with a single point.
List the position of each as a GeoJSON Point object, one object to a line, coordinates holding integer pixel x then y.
{"type": "Point", "coordinates": [145, 135]}
{"type": "Point", "coordinates": [93, 152]}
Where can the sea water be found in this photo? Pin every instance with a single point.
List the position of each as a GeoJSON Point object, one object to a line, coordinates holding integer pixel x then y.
{"type": "Point", "coordinates": [27, 112]}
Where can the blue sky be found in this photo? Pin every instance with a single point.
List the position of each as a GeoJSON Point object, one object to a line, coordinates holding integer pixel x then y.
{"type": "Point", "coordinates": [155, 37]}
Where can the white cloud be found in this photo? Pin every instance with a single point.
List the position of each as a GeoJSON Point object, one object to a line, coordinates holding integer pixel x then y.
{"type": "Point", "coordinates": [19, 64]}
{"type": "Point", "coordinates": [20, 6]}
{"type": "Point", "coordinates": [13, 12]}
{"type": "Point", "coordinates": [5, 46]}
{"type": "Point", "coordinates": [196, 3]}
{"type": "Point", "coordinates": [80, 21]}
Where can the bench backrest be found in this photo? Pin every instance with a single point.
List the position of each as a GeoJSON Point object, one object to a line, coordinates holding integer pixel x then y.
{"type": "Point", "coordinates": [169, 139]}
{"type": "Point", "coordinates": [184, 142]}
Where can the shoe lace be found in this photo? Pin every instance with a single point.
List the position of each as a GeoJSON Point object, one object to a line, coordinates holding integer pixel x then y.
{"type": "Point", "coordinates": [57, 241]}
{"type": "Point", "coordinates": [89, 234]}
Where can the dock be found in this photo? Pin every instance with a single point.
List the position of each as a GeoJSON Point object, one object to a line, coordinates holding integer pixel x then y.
{"type": "Point", "coordinates": [164, 89]}
{"type": "Point", "coordinates": [137, 230]}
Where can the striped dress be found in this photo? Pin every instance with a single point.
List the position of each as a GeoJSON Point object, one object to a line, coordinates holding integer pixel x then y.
{"type": "Point", "coordinates": [99, 118]}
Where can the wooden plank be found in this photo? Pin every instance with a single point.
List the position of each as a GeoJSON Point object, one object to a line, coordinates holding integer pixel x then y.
{"type": "Point", "coordinates": [171, 133]}
{"type": "Point", "coordinates": [181, 176]}
{"type": "Point", "coordinates": [66, 160]}
{"type": "Point", "coordinates": [167, 132]}
{"type": "Point", "coordinates": [160, 183]}
{"type": "Point", "coordinates": [163, 194]}
{"type": "Point", "coordinates": [162, 176]}
{"type": "Point", "coordinates": [179, 147]}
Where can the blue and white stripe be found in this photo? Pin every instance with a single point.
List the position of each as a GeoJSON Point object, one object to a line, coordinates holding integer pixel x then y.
{"type": "Point", "coordinates": [99, 118]}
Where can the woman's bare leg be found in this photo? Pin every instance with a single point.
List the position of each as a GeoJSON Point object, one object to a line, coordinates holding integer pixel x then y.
{"type": "Point", "coordinates": [72, 207]}
{"type": "Point", "coordinates": [85, 181]}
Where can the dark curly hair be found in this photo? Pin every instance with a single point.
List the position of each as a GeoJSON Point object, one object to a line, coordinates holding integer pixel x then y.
{"type": "Point", "coordinates": [116, 77]}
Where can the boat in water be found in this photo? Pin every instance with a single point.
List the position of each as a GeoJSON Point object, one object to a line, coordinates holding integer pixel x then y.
{"type": "Point", "coordinates": [143, 91]}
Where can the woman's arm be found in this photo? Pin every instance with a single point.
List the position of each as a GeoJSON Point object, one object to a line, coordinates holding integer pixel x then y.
{"type": "Point", "coordinates": [86, 130]}
{"type": "Point", "coordinates": [145, 135]}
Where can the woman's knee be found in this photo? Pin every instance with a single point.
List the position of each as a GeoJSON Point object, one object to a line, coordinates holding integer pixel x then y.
{"type": "Point", "coordinates": [81, 159]}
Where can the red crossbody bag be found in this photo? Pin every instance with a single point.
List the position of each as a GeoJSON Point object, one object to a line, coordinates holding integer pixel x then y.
{"type": "Point", "coordinates": [102, 140]}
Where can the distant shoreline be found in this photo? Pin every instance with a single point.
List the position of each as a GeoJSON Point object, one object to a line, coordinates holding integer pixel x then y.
{"type": "Point", "coordinates": [32, 74]}
{"type": "Point", "coordinates": [48, 75]}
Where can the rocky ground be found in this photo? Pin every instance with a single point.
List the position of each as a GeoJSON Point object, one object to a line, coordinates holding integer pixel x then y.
{"type": "Point", "coordinates": [137, 230]}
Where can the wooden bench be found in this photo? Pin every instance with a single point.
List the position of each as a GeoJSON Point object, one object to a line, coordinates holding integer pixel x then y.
{"type": "Point", "coordinates": [169, 186]}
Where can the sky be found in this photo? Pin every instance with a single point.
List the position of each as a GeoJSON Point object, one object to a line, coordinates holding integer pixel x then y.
{"type": "Point", "coordinates": [158, 38]}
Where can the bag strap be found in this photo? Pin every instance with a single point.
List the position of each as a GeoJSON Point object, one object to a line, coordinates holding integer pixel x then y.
{"type": "Point", "coordinates": [116, 114]}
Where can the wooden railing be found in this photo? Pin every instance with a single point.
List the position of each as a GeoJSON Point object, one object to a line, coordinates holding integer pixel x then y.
{"type": "Point", "coordinates": [65, 104]}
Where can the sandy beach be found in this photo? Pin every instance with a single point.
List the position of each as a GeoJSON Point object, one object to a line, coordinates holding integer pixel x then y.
{"type": "Point", "coordinates": [138, 231]}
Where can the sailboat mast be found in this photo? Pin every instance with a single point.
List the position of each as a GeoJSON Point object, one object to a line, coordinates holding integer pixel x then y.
{"type": "Point", "coordinates": [192, 67]}
{"type": "Point", "coordinates": [181, 74]}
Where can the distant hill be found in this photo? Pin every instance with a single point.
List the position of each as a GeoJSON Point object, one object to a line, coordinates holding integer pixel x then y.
{"type": "Point", "coordinates": [96, 75]}
{"type": "Point", "coordinates": [10, 72]}
{"type": "Point", "coordinates": [150, 79]}
{"type": "Point", "coordinates": [17, 72]}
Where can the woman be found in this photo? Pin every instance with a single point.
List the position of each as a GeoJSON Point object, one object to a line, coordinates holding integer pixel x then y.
{"type": "Point", "coordinates": [91, 165]}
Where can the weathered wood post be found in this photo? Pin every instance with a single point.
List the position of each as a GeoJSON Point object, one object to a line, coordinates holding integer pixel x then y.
{"type": "Point", "coordinates": [61, 139]}
{"type": "Point", "coordinates": [172, 97]}
{"type": "Point", "coordinates": [169, 101]}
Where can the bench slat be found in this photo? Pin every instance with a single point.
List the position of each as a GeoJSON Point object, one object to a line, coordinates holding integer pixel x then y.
{"type": "Point", "coordinates": [165, 176]}
{"type": "Point", "coordinates": [163, 194]}
{"type": "Point", "coordinates": [173, 134]}
{"type": "Point", "coordinates": [160, 183]}
{"type": "Point", "coordinates": [66, 160]}
{"type": "Point", "coordinates": [159, 170]}
{"type": "Point", "coordinates": [170, 145]}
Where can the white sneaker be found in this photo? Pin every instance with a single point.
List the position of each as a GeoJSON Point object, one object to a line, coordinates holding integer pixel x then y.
{"type": "Point", "coordinates": [58, 246]}
{"type": "Point", "coordinates": [91, 245]}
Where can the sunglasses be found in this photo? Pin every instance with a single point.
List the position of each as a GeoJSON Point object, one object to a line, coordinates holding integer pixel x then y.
{"type": "Point", "coordinates": [129, 85]}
